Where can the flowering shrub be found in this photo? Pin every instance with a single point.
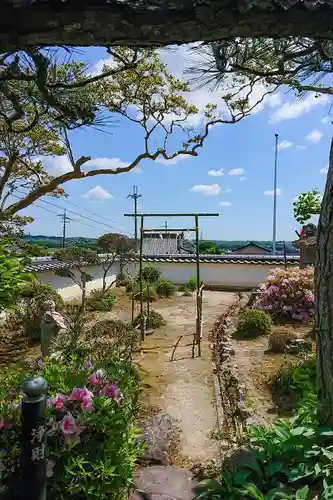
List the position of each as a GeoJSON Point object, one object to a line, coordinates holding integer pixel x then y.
{"type": "Point", "coordinates": [287, 294]}
{"type": "Point", "coordinates": [91, 439]}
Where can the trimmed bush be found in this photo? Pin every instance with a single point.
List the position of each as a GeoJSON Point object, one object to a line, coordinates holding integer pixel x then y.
{"type": "Point", "coordinates": [101, 301]}
{"type": "Point", "coordinates": [31, 300]}
{"type": "Point", "coordinates": [151, 274]}
{"type": "Point", "coordinates": [279, 339]}
{"type": "Point", "coordinates": [92, 442]}
{"type": "Point", "coordinates": [165, 288]}
{"type": "Point", "coordinates": [252, 323]}
{"type": "Point", "coordinates": [192, 283]}
{"type": "Point", "coordinates": [287, 294]}
{"type": "Point", "coordinates": [149, 290]}
{"type": "Point", "coordinates": [155, 320]}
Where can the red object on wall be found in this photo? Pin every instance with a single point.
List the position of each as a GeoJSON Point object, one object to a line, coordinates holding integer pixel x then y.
{"type": "Point", "coordinates": [302, 233]}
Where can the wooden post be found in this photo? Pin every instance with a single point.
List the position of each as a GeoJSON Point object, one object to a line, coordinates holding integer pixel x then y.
{"type": "Point", "coordinates": [133, 306]}
{"type": "Point", "coordinates": [148, 307]}
{"type": "Point", "coordinates": [142, 321]}
{"type": "Point", "coordinates": [33, 444]}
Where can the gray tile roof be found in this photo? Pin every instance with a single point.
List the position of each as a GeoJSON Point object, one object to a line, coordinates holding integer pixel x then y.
{"type": "Point", "coordinates": [44, 264]}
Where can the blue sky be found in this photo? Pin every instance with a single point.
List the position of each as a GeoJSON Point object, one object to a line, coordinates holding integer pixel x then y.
{"type": "Point", "coordinates": [243, 153]}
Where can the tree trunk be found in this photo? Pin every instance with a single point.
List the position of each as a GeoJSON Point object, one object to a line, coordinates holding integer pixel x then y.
{"type": "Point", "coordinates": [324, 301]}
{"type": "Point", "coordinates": [25, 23]}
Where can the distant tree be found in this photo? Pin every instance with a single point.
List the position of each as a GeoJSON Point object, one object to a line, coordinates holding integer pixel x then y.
{"type": "Point", "coordinates": [77, 258]}
{"type": "Point", "coordinates": [209, 247]}
{"type": "Point", "coordinates": [306, 205]}
{"type": "Point", "coordinates": [114, 246]}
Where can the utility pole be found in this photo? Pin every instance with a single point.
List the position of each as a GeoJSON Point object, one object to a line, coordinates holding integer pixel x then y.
{"type": "Point", "coordinates": [166, 225]}
{"type": "Point", "coordinates": [274, 193]}
{"type": "Point", "coordinates": [135, 196]}
{"type": "Point", "coordinates": [64, 219]}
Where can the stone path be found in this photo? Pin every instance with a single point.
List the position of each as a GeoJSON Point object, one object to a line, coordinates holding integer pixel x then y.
{"type": "Point", "coordinates": [182, 389]}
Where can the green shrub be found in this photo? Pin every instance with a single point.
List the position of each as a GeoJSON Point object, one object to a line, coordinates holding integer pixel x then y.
{"type": "Point", "coordinates": [149, 290]}
{"type": "Point", "coordinates": [192, 283]}
{"type": "Point", "coordinates": [31, 300]}
{"type": "Point", "coordinates": [151, 274]}
{"type": "Point", "coordinates": [101, 301]}
{"type": "Point", "coordinates": [187, 292]}
{"type": "Point", "coordinates": [252, 323]}
{"type": "Point", "coordinates": [154, 320]}
{"type": "Point", "coordinates": [165, 288]}
{"type": "Point", "coordinates": [94, 455]}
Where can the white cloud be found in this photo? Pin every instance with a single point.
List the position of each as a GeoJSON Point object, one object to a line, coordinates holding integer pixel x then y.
{"type": "Point", "coordinates": [242, 179]}
{"type": "Point", "coordinates": [56, 165]}
{"type": "Point", "coordinates": [98, 193]}
{"type": "Point", "coordinates": [324, 170]}
{"type": "Point", "coordinates": [327, 119]}
{"type": "Point", "coordinates": [270, 192]}
{"type": "Point", "coordinates": [290, 111]}
{"type": "Point", "coordinates": [104, 163]}
{"type": "Point", "coordinates": [173, 161]}
{"type": "Point", "coordinates": [284, 145]}
{"type": "Point", "coordinates": [225, 204]}
{"type": "Point", "coordinates": [236, 171]}
{"type": "Point", "coordinates": [216, 173]}
{"type": "Point", "coordinates": [206, 189]}
{"type": "Point", "coordinates": [314, 136]}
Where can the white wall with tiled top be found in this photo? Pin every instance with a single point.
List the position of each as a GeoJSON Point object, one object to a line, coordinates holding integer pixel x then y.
{"type": "Point", "coordinates": [227, 276]}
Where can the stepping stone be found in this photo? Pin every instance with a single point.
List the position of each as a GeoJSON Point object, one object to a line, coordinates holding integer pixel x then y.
{"type": "Point", "coordinates": [157, 435]}
{"type": "Point", "coordinates": [164, 483]}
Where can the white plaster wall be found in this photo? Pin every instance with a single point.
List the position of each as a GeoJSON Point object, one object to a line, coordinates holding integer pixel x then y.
{"type": "Point", "coordinates": [228, 276]}
{"type": "Point", "coordinates": [225, 276]}
{"type": "Point", "coordinates": [69, 290]}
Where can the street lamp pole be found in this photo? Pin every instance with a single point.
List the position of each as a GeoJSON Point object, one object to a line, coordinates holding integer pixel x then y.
{"type": "Point", "coordinates": [274, 193]}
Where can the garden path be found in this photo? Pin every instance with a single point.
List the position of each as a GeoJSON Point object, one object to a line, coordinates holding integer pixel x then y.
{"type": "Point", "coordinates": [184, 388]}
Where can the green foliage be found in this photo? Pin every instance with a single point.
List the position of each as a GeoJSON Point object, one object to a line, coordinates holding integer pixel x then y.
{"type": "Point", "coordinates": [101, 301]}
{"type": "Point", "coordinates": [192, 283]}
{"type": "Point", "coordinates": [153, 320]}
{"type": "Point", "coordinates": [115, 243]}
{"type": "Point", "coordinates": [306, 205]}
{"type": "Point", "coordinates": [100, 402]}
{"type": "Point", "coordinates": [150, 274]}
{"type": "Point", "coordinates": [252, 323]}
{"type": "Point", "coordinates": [76, 255]}
{"type": "Point", "coordinates": [294, 377]}
{"type": "Point", "coordinates": [31, 298]}
{"type": "Point", "coordinates": [165, 288]}
{"type": "Point", "coordinates": [148, 290]}
{"type": "Point", "coordinates": [289, 459]}
{"type": "Point", "coordinates": [187, 292]}
{"type": "Point", "coordinates": [13, 279]}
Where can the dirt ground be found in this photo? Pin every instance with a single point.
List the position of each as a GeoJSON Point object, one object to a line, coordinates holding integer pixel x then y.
{"type": "Point", "coordinates": [183, 388]}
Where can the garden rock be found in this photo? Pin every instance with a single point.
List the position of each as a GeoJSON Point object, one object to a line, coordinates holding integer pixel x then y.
{"type": "Point", "coordinates": [157, 435]}
{"type": "Point", "coordinates": [297, 346]}
{"type": "Point", "coordinates": [164, 483]}
{"type": "Point", "coordinates": [238, 458]}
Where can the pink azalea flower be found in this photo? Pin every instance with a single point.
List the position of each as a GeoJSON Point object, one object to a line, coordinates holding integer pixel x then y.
{"type": "Point", "coordinates": [70, 429]}
{"type": "Point", "coordinates": [98, 378]}
{"type": "Point", "coordinates": [58, 401]}
{"type": "Point", "coordinates": [112, 391]}
{"type": "Point", "coordinates": [84, 397]}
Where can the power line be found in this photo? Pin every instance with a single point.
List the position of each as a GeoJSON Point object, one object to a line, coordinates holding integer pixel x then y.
{"type": "Point", "coordinates": [76, 213]}
{"type": "Point", "coordinates": [53, 212]}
